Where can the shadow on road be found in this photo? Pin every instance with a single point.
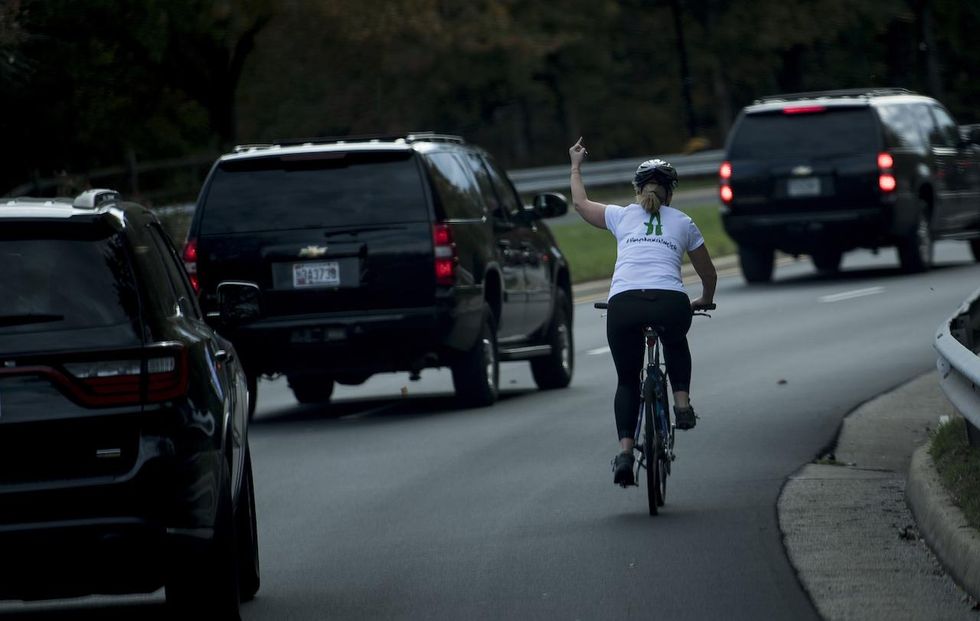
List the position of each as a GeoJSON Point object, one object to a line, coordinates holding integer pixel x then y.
{"type": "Point", "coordinates": [374, 410]}
{"type": "Point", "coordinates": [84, 610]}
{"type": "Point", "coordinates": [853, 275]}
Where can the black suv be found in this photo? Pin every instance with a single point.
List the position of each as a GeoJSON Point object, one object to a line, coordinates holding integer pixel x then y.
{"type": "Point", "coordinates": [330, 260]}
{"type": "Point", "coordinates": [825, 172]}
{"type": "Point", "coordinates": [124, 461]}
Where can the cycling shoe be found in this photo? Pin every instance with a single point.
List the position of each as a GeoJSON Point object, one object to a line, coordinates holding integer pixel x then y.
{"type": "Point", "coordinates": [623, 469]}
{"type": "Point", "coordinates": [685, 417]}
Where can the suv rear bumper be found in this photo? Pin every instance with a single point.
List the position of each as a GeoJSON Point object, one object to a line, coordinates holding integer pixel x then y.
{"type": "Point", "coordinates": [364, 343]}
{"type": "Point", "coordinates": [804, 233]}
{"type": "Point", "coordinates": [109, 534]}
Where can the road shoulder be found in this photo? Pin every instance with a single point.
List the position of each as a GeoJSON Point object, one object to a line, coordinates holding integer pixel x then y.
{"type": "Point", "coordinates": [846, 525]}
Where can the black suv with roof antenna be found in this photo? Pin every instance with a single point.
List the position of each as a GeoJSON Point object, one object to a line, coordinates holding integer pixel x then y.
{"type": "Point", "coordinates": [825, 172]}
{"type": "Point", "coordinates": [124, 461]}
{"type": "Point", "coordinates": [332, 259]}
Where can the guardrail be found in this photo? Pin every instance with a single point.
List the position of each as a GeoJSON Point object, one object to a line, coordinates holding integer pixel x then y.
{"type": "Point", "coordinates": [957, 341]}
{"type": "Point", "coordinates": [527, 181]}
{"type": "Point", "coordinates": [608, 172]}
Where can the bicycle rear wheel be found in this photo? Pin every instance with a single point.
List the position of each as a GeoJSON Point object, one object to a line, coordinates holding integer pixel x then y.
{"type": "Point", "coordinates": [653, 455]}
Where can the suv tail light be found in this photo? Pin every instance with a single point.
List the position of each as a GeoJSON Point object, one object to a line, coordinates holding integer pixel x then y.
{"type": "Point", "coordinates": [119, 379]}
{"type": "Point", "coordinates": [886, 180]}
{"type": "Point", "coordinates": [190, 263]}
{"type": "Point", "coordinates": [725, 190]}
{"type": "Point", "coordinates": [445, 254]}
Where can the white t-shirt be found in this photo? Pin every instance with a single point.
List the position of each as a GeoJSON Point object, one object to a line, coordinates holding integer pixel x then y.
{"type": "Point", "coordinates": [649, 252]}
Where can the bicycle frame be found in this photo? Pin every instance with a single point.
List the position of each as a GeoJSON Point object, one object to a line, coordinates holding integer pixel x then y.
{"type": "Point", "coordinates": [652, 369]}
{"type": "Point", "coordinates": [654, 436]}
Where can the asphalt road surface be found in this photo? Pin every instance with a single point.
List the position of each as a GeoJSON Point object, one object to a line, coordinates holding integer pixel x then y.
{"type": "Point", "coordinates": [405, 507]}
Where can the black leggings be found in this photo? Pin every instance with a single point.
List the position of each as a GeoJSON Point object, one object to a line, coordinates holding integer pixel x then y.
{"type": "Point", "coordinates": [629, 312]}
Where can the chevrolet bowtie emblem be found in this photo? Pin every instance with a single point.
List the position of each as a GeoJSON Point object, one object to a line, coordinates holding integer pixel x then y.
{"type": "Point", "coordinates": [313, 252]}
{"type": "Point", "coordinates": [802, 171]}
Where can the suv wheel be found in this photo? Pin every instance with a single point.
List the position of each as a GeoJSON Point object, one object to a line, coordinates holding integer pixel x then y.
{"type": "Point", "coordinates": [205, 579]}
{"type": "Point", "coordinates": [476, 374]}
{"type": "Point", "coordinates": [827, 261]}
{"type": "Point", "coordinates": [915, 250]}
{"type": "Point", "coordinates": [975, 248]}
{"type": "Point", "coordinates": [311, 388]}
{"type": "Point", "coordinates": [248, 535]}
{"type": "Point", "coordinates": [757, 263]}
{"type": "Point", "coordinates": [555, 369]}
{"type": "Point", "coordinates": [252, 382]}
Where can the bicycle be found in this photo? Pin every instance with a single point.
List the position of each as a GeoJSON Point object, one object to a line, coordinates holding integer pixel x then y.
{"type": "Point", "coordinates": [653, 426]}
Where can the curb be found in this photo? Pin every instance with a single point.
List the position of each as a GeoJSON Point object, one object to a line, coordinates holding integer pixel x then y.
{"type": "Point", "coordinates": [941, 523]}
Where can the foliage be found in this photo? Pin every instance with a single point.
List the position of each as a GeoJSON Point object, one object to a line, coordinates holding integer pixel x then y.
{"type": "Point", "coordinates": [958, 464]}
{"type": "Point", "coordinates": [94, 83]}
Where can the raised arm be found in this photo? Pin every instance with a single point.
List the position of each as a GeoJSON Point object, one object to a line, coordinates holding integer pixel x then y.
{"type": "Point", "coordinates": [705, 268]}
{"type": "Point", "coordinates": [592, 212]}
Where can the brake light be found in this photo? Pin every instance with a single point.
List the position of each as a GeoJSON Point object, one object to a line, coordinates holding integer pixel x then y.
{"type": "Point", "coordinates": [886, 180]}
{"type": "Point", "coordinates": [804, 109]}
{"type": "Point", "coordinates": [118, 382]}
{"type": "Point", "coordinates": [726, 194]}
{"type": "Point", "coordinates": [190, 263]}
{"type": "Point", "coordinates": [725, 171]}
{"type": "Point", "coordinates": [446, 256]}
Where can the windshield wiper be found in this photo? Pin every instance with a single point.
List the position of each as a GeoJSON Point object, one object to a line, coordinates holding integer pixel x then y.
{"type": "Point", "coordinates": [25, 318]}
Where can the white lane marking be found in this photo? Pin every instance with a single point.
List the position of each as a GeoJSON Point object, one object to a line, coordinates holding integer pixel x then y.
{"type": "Point", "coordinates": [848, 295]}
{"type": "Point", "coordinates": [598, 350]}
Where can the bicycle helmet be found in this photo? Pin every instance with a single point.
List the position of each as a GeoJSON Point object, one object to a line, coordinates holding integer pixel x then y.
{"type": "Point", "coordinates": [656, 171]}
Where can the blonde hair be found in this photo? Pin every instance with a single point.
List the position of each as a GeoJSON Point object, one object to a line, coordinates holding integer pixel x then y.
{"type": "Point", "coordinates": [648, 199]}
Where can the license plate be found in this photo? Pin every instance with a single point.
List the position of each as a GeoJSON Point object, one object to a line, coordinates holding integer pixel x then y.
{"type": "Point", "coordinates": [318, 335]}
{"type": "Point", "coordinates": [809, 186]}
{"type": "Point", "coordinates": [316, 275]}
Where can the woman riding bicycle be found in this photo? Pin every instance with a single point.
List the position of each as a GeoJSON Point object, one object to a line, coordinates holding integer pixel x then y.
{"type": "Point", "coordinates": [647, 289]}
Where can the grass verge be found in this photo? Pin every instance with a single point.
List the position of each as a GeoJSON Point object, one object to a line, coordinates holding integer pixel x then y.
{"type": "Point", "coordinates": [591, 252]}
{"type": "Point", "coordinates": [958, 465]}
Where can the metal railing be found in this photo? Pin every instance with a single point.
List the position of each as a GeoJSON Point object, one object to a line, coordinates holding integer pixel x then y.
{"type": "Point", "coordinates": [957, 341]}
{"type": "Point", "coordinates": [609, 172]}
{"type": "Point", "coordinates": [186, 175]}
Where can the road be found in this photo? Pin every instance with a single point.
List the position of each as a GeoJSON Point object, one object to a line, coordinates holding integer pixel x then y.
{"type": "Point", "coordinates": [407, 508]}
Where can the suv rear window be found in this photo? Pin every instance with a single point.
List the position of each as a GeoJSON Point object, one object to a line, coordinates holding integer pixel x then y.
{"type": "Point", "coordinates": [313, 191]}
{"type": "Point", "coordinates": [835, 132]}
{"type": "Point", "coordinates": [61, 283]}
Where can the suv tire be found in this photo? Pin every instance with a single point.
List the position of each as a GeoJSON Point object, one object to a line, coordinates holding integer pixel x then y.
{"type": "Point", "coordinates": [827, 261]}
{"type": "Point", "coordinates": [476, 373]}
{"type": "Point", "coordinates": [252, 383]}
{"type": "Point", "coordinates": [555, 369]}
{"type": "Point", "coordinates": [247, 533]}
{"type": "Point", "coordinates": [205, 581]}
{"type": "Point", "coordinates": [311, 388]}
{"type": "Point", "coordinates": [757, 263]}
{"type": "Point", "coordinates": [915, 250]}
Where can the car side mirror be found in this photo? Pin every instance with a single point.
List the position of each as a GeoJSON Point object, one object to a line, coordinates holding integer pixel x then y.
{"type": "Point", "coordinates": [550, 205]}
{"type": "Point", "coordinates": [969, 135]}
{"type": "Point", "coordinates": [238, 302]}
